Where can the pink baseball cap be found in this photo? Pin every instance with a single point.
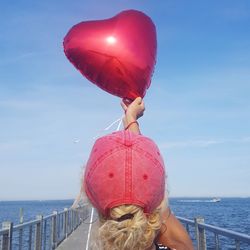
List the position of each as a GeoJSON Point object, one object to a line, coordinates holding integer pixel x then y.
{"type": "Point", "coordinates": [125, 168]}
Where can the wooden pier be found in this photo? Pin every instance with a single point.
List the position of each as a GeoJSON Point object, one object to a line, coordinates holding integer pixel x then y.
{"type": "Point", "coordinates": [77, 240]}
{"type": "Point", "coordinates": [82, 237]}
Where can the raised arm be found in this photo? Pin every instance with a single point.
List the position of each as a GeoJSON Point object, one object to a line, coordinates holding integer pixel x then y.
{"type": "Point", "coordinates": [133, 112]}
{"type": "Point", "coordinates": [172, 233]}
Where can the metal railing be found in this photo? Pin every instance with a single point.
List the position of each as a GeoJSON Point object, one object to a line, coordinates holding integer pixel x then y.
{"type": "Point", "coordinates": [45, 233]}
{"type": "Point", "coordinates": [42, 233]}
{"type": "Point", "coordinates": [200, 229]}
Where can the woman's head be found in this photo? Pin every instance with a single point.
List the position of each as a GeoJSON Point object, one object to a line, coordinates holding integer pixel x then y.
{"type": "Point", "coordinates": [125, 181]}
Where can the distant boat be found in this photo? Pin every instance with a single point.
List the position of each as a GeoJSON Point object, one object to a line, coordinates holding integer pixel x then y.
{"type": "Point", "coordinates": [216, 200]}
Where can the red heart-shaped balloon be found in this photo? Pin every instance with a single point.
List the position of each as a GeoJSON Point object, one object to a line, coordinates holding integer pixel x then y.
{"type": "Point", "coordinates": [116, 54]}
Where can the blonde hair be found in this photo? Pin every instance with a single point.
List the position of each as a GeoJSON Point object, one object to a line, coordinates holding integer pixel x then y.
{"type": "Point", "coordinates": [138, 232]}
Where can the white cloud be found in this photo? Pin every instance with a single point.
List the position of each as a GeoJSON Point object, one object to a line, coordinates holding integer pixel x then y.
{"type": "Point", "coordinates": [190, 143]}
{"type": "Point", "coordinates": [11, 146]}
{"type": "Point", "coordinates": [246, 139]}
{"type": "Point", "coordinates": [17, 58]}
{"type": "Point", "coordinates": [202, 143]}
{"type": "Point", "coordinates": [21, 104]}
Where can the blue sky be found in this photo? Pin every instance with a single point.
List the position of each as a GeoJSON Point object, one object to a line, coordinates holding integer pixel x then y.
{"type": "Point", "coordinates": [197, 108]}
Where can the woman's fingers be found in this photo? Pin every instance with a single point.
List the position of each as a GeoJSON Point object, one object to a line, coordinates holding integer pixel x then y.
{"type": "Point", "coordinates": [135, 108]}
{"type": "Point", "coordinates": [138, 100]}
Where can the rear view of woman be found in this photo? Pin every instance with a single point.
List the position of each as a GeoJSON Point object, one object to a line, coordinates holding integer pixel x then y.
{"type": "Point", "coordinates": [125, 181]}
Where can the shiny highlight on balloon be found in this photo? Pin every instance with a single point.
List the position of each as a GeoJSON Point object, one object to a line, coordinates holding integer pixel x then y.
{"type": "Point", "coordinates": [111, 40]}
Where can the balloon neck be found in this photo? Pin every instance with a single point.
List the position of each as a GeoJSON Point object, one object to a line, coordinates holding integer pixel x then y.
{"type": "Point", "coordinates": [127, 101]}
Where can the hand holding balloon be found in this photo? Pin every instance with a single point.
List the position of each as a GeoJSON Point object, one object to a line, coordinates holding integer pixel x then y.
{"type": "Point", "coordinates": [133, 112]}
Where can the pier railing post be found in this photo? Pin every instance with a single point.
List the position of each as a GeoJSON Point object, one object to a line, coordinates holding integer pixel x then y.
{"type": "Point", "coordinates": [71, 221]}
{"type": "Point", "coordinates": [21, 230]}
{"type": "Point", "coordinates": [53, 230]}
{"type": "Point", "coordinates": [38, 232]}
{"type": "Point", "coordinates": [7, 237]}
{"type": "Point", "coordinates": [200, 234]}
{"type": "Point", "coordinates": [78, 218]}
{"type": "Point", "coordinates": [66, 219]}
{"type": "Point", "coordinates": [75, 219]}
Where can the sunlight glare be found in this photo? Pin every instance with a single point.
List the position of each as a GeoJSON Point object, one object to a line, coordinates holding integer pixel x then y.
{"type": "Point", "coordinates": [111, 40]}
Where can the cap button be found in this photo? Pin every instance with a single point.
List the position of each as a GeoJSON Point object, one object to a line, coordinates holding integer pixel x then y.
{"type": "Point", "coordinates": [128, 143]}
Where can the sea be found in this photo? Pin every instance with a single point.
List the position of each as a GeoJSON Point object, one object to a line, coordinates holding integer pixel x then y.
{"type": "Point", "coordinates": [229, 213]}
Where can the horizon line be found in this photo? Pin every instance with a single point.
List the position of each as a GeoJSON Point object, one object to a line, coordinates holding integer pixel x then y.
{"type": "Point", "coordinates": [170, 197]}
